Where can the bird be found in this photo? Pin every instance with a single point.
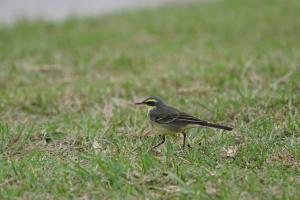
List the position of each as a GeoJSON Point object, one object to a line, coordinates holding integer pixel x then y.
{"type": "Point", "coordinates": [170, 120]}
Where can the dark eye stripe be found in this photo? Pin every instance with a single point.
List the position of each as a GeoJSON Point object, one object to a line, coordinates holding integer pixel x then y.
{"type": "Point", "coordinates": [150, 103]}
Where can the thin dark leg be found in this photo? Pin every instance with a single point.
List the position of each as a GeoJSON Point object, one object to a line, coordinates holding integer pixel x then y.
{"type": "Point", "coordinates": [163, 141]}
{"type": "Point", "coordinates": [184, 139]}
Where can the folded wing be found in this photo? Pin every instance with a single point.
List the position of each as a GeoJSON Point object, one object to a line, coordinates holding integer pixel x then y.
{"type": "Point", "coordinates": [184, 118]}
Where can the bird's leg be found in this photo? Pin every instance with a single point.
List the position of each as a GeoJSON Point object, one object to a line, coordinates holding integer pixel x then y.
{"type": "Point", "coordinates": [184, 141]}
{"type": "Point", "coordinates": [163, 141]}
{"type": "Point", "coordinates": [184, 138]}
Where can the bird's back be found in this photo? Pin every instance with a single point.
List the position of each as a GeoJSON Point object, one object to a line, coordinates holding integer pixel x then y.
{"type": "Point", "coordinates": [166, 117]}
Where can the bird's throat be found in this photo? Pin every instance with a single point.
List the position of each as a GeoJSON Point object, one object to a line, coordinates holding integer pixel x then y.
{"type": "Point", "coordinates": [150, 108]}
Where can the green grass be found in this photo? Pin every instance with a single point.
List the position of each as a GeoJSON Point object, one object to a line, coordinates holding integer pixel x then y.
{"type": "Point", "coordinates": [69, 128]}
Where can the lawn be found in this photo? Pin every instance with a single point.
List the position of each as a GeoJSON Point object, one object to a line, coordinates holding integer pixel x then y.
{"type": "Point", "coordinates": [69, 127]}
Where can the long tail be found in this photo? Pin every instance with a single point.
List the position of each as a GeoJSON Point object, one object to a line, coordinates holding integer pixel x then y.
{"type": "Point", "coordinates": [183, 117]}
{"type": "Point", "coordinates": [204, 123]}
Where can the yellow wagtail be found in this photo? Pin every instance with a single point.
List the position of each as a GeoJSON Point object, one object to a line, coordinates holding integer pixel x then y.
{"type": "Point", "coordinates": [171, 120]}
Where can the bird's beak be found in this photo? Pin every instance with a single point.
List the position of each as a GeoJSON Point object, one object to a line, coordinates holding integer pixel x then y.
{"type": "Point", "coordinates": [139, 103]}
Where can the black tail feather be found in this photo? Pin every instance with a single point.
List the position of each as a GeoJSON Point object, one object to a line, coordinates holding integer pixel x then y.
{"type": "Point", "coordinates": [227, 128]}
{"type": "Point", "coordinates": [183, 117]}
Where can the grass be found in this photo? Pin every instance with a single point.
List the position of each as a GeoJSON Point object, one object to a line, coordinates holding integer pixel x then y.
{"type": "Point", "coordinates": [69, 128]}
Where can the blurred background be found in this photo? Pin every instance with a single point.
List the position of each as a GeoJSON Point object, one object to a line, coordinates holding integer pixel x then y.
{"type": "Point", "coordinates": [70, 72]}
{"type": "Point", "coordinates": [57, 10]}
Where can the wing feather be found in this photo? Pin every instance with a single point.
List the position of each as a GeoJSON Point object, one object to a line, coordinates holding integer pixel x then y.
{"type": "Point", "coordinates": [178, 117]}
{"type": "Point", "coordinates": [167, 119]}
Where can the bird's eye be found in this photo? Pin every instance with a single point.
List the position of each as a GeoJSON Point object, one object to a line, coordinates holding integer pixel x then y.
{"type": "Point", "coordinates": [150, 103]}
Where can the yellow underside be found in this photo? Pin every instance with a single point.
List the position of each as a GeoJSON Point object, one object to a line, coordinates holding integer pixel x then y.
{"type": "Point", "coordinates": [157, 129]}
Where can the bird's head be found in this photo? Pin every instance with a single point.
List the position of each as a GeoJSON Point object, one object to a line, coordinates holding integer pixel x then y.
{"type": "Point", "coordinates": [151, 102]}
